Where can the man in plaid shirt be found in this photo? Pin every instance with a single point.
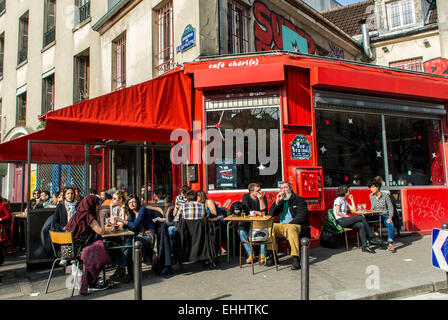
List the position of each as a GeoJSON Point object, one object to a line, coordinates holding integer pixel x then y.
{"type": "Point", "coordinates": [192, 210]}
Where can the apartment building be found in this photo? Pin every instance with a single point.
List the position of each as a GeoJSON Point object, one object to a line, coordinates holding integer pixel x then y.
{"type": "Point", "coordinates": [406, 34]}
{"type": "Point", "coordinates": [55, 53]}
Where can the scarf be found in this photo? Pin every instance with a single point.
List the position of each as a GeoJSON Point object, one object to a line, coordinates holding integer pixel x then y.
{"type": "Point", "coordinates": [285, 210]}
{"type": "Point", "coordinates": [83, 218]}
{"type": "Point", "coordinates": [70, 207]}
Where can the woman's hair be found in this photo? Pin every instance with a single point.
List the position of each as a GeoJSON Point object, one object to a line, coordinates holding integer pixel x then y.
{"type": "Point", "coordinates": [139, 205]}
{"type": "Point", "coordinates": [192, 195]}
{"type": "Point", "coordinates": [68, 188]}
{"type": "Point", "coordinates": [201, 195]}
{"type": "Point", "coordinates": [374, 182]}
{"type": "Point", "coordinates": [342, 190]}
{"type": "Point", "coordinates": [55, 195]}
{"type": "Point", "coordinates": [184, 189]}
{"type": "Point", "coordinates": [122, 195]}
{"type": "Point", "coordinates": [160, 193]}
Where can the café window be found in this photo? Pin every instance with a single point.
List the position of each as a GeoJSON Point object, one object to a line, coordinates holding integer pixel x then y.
{"type": "Point", "coordinates": [361, 137]}
{"type": "Point", "coordinates": [48, 94]}
{"type": "Point", "coordinates": [82, 10]}
{"type": "Point", "coordinates": [414, 151]}
{"type": "Point", "coordinates": [119, 62]}
{"type": "Point", "coordinates": [349, 146]}
{"type": "Point", "coordinates": [81, 77]}
{"type": "Point", "coordinates": [21, 110]}
{"type": "Point", "coordinates": [244, 141]}
{"type": "Point", "coordinates": [165, 36]}
{"type": "Point", "coordinates": [415, 64]}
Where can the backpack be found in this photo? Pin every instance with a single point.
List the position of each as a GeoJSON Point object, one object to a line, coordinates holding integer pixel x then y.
{"type": "Point", "coordinates": [331, 232]}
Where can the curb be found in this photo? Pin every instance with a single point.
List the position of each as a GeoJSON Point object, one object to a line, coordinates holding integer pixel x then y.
{"type": "Point", "coordinates": [420, 289]}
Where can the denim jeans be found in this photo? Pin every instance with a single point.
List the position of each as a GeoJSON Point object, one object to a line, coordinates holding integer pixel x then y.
{"type": "Point", "coordinates": [126, 253]}
{"type": "Point", "coordinates": [390, 228]}
{"type": "Point", "coordinates": [171, 232]}
{"type": "Point", "coordinates": [243, 232]}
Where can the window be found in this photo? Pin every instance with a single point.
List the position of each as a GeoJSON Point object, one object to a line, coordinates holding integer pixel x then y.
{"type": "Point", "coordinates": [402, 148]}
{"type": "Point", "coordinates": [413, 151]}
{"type": "Point", "coordinates": [82, 11]}
{"type": "Point", "coordinates": [2, 6]}
{"type": "Point", "coordinates": [2, 53]}
{"type": "Point", "coordinates": [119, 62]}
{"type": "Point", "coordinates": [49, 22]}
{"type": "Point", "coordinates": [165, 55]}
{"type": "Point", "coordinates": [247, 146]}
{"type": "Point", "coordinates": [48, 94]}
{"type": "Point", "coordinates": [237, 24]}
{"type": "Point", "coordinates": [81, 76]}
{"type": "Point", "coordinates": [401, 14]}
{"type": "Point", "coordinates": [415, 64]}
{"type": "Point", "coordinates": [23, 39]}
{"type": "Point", "coordinates": [21, 110]}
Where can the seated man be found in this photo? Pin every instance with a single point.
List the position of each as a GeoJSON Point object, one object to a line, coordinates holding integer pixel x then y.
{"type": "Point", "coordinates": [293, 221]}
{"type": "Point", "coordinates": [256, 201]}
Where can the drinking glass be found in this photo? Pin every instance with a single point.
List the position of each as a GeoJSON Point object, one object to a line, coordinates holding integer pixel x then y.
{"type": "Point", "coordinates": [243, 214]}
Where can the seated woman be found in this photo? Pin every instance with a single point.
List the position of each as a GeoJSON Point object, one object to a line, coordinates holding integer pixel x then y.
{"type": "Point", "coordinates": [117, 205]}
{"type": "Point", "coordinates": [65, 210]}
{"type": "Point", "coordinates": [85, 227]}
{"type": "Point", "coordinates": [5, 217]}
{"type": "Point", "coordinates": [340, 209]}
{"type": "Point", "coordinates": [381, 201]}
{"type": "Point", "coordinates": [140, 222]}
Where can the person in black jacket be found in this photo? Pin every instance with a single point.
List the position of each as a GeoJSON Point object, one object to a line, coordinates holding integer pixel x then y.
{"type": "Point", "coordinates": [293, 221]}
{"type": "Point", "coordinates": [65, 210]}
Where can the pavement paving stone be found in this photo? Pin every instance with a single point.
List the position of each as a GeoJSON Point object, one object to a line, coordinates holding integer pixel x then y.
{"type": "Point", "coordinates": [335, 274]}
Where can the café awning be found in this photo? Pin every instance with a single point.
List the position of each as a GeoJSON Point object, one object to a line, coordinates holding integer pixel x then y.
{"type": "Point", "coordinates": [149, 111]}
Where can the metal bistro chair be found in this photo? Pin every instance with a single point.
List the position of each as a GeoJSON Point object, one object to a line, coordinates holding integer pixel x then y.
{"type": "Point", "coordinates": [261, 224]}
{"type": "Point", "coordinates": [62, 238]}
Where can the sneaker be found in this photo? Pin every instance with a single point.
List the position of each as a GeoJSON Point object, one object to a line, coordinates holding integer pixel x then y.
{"type": "Point", "coordinates": [63, 263]}
{"type": "Point", "coordinates": [367, 250]}
{"type": "Point", "coordinates": [391, 248]}
{"type": "Point", "coordinates": [295, 263]}
{"type": "Point", "coordinates": [261, 259]}
{"type": "Point", "coordinates": [98, 286]}
{"type": "Point", "coordinates": [270, 260]}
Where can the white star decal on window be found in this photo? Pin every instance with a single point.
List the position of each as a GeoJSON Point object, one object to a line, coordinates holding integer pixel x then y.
{"type": "Point", "coordinates": [378, 154]}
{"type": "Point", "coordinates": [323, 149]}
{"type": "Point", "coordinates": [433, 155]}
{"type": "Point", "coordinates": [350, 121]}
{"type": "Point", "coordinates": [261, 167]}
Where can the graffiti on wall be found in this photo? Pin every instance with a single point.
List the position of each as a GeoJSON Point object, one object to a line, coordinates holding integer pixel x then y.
{"type": "Point", "coordinates": [335, 51]}
{"type": "Point", "coordinates": [273, 32]}
{"type": "Point", "coordinates": [436, 66]}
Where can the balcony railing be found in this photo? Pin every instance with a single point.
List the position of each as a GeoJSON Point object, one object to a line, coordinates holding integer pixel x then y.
{"type": "Point", "coordinates": [84, 11]}
{"type": "Point", "coordinates": [49, 36]}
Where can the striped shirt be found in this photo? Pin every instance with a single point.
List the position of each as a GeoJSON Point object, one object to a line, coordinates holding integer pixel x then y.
{"type": "Point", "coordinates": [191, 211]}
{"type": "Point", "coordinates": [383, 203]}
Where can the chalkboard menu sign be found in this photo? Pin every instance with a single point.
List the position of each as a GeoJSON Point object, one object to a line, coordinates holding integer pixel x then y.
{"type": "Point", "coordinates": [226, 175]}
{"type": "Point", "coordinates": [300, 148]}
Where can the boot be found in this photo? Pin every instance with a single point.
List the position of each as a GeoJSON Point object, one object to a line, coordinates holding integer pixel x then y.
{"type": "Point", "coordinates": [119, 273]}
{"type": "Point", "coordinates": [295, 263]}
{"type": "Point", "coordinates": [250, 258]}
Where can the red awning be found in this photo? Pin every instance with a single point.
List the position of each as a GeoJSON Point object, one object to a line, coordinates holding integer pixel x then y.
{"type": "Point", "coordinates": [149, 111]}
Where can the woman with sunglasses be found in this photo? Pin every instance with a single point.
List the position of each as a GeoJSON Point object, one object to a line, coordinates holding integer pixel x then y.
{"type": "Point", "coordinates": [140, 222]}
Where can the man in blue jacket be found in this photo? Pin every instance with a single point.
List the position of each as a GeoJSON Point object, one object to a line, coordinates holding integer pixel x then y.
{"type": "Point", "coordinates": [293, 221]}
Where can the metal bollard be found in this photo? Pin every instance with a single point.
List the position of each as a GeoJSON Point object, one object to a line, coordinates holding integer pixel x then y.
{"type": "Point", "coordinates": [305, 294]}
{"type": "Point", "coordinates": [137, 270]}
{"type": "Point", "coordinates": [445, 227]}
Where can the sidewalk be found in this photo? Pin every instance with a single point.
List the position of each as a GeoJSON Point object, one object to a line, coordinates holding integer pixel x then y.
{"type": "Point", "coordinates": [335, 274]}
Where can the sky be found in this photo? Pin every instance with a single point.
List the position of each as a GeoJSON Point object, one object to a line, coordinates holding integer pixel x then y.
{"type": "Point", "coordinates": [346, 2]}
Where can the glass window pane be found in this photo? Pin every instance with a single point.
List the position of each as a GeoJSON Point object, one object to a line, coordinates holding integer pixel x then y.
{"type": "Point", "coordinates": [414, 151]}
{"type": "Point", "coordinates": [228, 173]}
{"type": "Point", "coordinates": [349, 146]}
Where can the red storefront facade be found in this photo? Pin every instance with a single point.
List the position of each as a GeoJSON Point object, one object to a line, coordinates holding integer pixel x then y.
{"type": "Point", "coordinates": [312, 94]}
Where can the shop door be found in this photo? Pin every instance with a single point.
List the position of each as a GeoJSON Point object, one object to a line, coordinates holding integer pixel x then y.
{"type": "Point", "coordinates": [17, 184]}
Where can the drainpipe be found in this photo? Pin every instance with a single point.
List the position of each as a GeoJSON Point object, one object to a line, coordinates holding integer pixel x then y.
{"type": "Point", "coordinates": [368, 53]}
{"type": "Point", "coordinates": [220, 26]}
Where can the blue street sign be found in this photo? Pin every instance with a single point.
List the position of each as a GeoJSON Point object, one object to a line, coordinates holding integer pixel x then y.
{"type": "Point", "coordinates": [440, 249]}
{"type": "Point", "coordinates": [188, 38]}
